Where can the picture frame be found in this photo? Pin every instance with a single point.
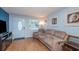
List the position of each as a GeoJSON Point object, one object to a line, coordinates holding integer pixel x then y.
{"type": "Point", "coordinates": [72, 18]}
{"type": "Point", "coordinates": [54, 20]}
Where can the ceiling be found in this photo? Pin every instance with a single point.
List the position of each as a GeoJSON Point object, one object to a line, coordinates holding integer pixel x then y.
{"type": "Point", "coordinates": [32, 11]}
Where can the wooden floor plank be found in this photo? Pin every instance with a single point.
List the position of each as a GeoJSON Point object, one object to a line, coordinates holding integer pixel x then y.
{"type": "Point", "coordinates": [29, 44]}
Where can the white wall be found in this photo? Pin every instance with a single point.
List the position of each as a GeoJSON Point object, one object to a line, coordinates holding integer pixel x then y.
{"type": "Point", "coordinates": [12, 23]}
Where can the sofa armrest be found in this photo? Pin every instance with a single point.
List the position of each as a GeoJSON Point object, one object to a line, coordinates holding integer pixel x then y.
{"type": "Point", "coordinates": [61, 42]}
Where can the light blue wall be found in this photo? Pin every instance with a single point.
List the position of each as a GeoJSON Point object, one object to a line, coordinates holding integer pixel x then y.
{"type": "Point", "coordinates": [5, 17]}
{"type": "Point", "coordinates": [13, 21]}
{"type": "Point", "coordinates": [61, 24]}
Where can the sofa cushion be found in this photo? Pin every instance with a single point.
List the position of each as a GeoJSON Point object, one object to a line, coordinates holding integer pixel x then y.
{"type": "Point", "coordinates": [50, 32]}
{"type": "Point", "coordinates": [60, 34]}
{"type": "Point", "coordinates": [55, 44]}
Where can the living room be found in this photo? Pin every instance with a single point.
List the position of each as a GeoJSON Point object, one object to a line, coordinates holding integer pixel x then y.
{"type": "Point", "coordinates": [43, 28]}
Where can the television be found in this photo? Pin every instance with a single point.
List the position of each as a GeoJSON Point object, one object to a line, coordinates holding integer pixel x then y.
{"type": "Point", "coordinates": [2, 26]}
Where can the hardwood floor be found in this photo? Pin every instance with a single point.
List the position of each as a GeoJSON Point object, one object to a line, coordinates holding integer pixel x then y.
{"type": "Point", "coordinates": [28, 44]}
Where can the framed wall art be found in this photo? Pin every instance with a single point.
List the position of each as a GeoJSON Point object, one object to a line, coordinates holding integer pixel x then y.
{"type": "Point", "coordinates": [54, 20]}
{"type": "Point", "coordinates": [73, 19]}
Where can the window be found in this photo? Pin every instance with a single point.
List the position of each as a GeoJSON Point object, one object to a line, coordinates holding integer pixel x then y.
{"type": "Point", "coordinates": [33, 24]}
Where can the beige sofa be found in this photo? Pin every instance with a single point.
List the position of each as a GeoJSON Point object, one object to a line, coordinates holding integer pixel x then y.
{"type": "Point", "coordinates": [53, 39]}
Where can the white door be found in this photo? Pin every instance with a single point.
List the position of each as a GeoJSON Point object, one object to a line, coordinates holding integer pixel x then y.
{"type": "Point", "coordinates": [18, 27]}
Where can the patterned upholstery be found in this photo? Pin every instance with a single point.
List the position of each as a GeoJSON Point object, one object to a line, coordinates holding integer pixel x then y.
{"type": "Point", "coordinates": [53, 39]}
{"type": "Point", "coordinates": [60, 34]}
